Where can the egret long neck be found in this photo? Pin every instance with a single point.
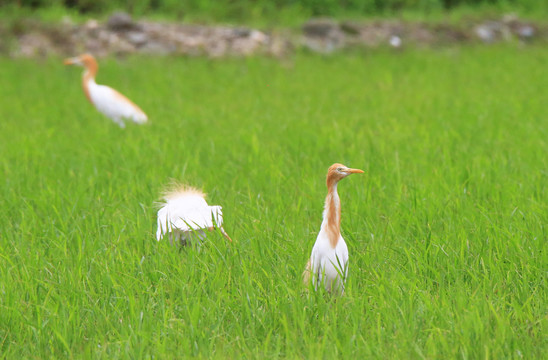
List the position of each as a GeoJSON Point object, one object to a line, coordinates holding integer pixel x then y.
{"type": "Point", "coordinates": [332, 214]}
{"type": "Point", "coordinates": [89, 77]}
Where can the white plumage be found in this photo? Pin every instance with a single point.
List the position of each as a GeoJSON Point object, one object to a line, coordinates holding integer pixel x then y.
{"type": "Point", "coordinates": [328, 264]}
{"type": "Point", "coordinates": [114, 105]}
{"type": "Point", "coordinates": [105, 99]}
{"type": "Point", "coordinates": [185, 216]}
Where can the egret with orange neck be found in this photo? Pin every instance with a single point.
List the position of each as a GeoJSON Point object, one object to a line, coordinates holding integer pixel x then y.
{"type": "Point", "coordinates": [328, 264]}
{"type": "Point", "coordinates": [105, 99]}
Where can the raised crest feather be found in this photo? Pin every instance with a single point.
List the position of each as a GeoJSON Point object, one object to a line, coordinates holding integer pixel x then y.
{"type": "Point", "coordinates": [176, 190]}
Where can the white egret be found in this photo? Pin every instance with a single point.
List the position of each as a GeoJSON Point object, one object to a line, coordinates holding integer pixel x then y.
{"type": "Point", "coordinates": [328, 264]}
{"type": "Point", "coordinates": [185, 216]}
{"type": "Point", "coordinates": [105, 99]}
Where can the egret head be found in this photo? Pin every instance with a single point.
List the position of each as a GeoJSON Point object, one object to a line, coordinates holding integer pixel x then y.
{"type": "Point", "coordinates": [337, 172]}
{"type": "Point", "coordinates": [85, 60]}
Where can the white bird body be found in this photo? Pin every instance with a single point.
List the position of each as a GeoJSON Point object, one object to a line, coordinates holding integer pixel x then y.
{"type": "Point", "coordinates": [114, 105]}
{"type": "Point", "coordinates": [328, 264]}
{"type": "Point", "coordinates": [105, 99]}
{"type": "Point", "coordinates": [186, 213]}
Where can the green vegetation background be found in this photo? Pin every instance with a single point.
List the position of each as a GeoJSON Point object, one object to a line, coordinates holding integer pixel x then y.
{"type": "Point", "coordinates": [276, 11]}
{"type": "Point", "coordinates": [447, 229]}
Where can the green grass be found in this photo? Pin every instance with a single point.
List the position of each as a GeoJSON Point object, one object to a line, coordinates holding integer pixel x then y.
{"type": "Point", "coordinates": [447, 230]}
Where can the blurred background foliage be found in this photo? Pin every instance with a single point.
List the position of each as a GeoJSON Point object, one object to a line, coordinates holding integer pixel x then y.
{"type": "Point", "coordinates": [243, 10]}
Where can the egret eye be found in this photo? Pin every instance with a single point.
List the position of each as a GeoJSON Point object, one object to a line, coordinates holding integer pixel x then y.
{"type": "Point", "coordinates": [340, 169]}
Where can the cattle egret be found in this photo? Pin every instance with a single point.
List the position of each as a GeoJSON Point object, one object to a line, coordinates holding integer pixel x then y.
{"type": "Point", "coordinates": [329, 258]}
{"type": "Point", "coordinates": [107, 100]}
{"type": "Point", "coordinates": [185, 216]}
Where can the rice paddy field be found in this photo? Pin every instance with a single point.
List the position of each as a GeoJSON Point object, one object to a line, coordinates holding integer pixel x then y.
{"type": "Point", "coordinates": [447, 229]}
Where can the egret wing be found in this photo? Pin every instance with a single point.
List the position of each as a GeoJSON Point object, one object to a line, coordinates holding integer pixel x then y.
{"type": "Point", "coordinates": [115, 105]}
{"type": "Point", "coordinates": [187, 213]}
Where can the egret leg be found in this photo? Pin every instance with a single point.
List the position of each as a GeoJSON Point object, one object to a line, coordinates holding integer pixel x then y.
{"type": "Point", "coordinates": [120, 122]}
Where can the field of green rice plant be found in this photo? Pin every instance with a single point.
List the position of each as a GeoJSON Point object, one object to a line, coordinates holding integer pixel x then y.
{"type": "Point", "coordinates": [447, 229]}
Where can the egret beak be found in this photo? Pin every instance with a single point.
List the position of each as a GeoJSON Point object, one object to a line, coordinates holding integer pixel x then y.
{"type": "Point", "coordinates": [72, 61]}
{"type": "Point", "coordinates": [354, 171]}
{"type": "Point", "coordinates": [225, 234]}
